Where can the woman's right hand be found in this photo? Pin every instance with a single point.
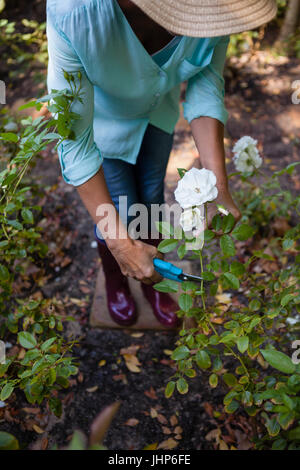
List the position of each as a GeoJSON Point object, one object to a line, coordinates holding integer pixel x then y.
{"type": "Point", "coordinates": [135, 259]}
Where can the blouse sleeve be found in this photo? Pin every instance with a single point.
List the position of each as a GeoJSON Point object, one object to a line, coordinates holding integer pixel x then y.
{"type": "Point", "coordinates": [80, 159]}
{"type": "Point", "coordinates": [205, 91]}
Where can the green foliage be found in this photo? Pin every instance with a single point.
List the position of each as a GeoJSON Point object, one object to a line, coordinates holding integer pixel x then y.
{"type": "Point", "coordinates": [22, 45]}
{"type": "Point", "coordinates": [34, 322]}
{"type": "Point", "coordinates": [255, 334]}
{"type": "Point", "coordinates": [8, 442]}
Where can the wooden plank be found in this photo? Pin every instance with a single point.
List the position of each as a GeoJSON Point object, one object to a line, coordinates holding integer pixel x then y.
{"type": "Point", "coordinates": [100, 318]}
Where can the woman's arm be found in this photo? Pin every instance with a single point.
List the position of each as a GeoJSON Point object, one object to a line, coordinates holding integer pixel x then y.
{"type": "Point", "coordinates": [135, 258]}
{"type": "Point", "coordinates": [208, 134]}
{"type": "Point", "coordinates": [81, 159]}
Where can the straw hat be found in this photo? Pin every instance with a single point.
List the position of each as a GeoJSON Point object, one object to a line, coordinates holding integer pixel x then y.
{"type": "Point", "coordinates": [208, 18]}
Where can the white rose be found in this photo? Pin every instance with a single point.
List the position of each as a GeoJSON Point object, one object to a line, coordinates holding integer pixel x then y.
{"type": "Point", "coordinates": [196, 187]}
{"type": "Point", "coordinates": [191, 219]}
{"type": "Point", "coordinates": [246, 155]}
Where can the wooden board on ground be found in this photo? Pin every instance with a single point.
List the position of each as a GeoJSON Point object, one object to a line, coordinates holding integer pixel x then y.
{"type": "Point", "coordinates": [100, 318]}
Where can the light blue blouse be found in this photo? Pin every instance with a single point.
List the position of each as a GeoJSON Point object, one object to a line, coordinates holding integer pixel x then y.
{"type": "Point", "coordinates": [125, 88]}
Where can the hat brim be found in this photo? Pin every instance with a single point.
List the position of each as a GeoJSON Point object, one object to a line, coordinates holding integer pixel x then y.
{"type": "Point", "coordinates": [208, 18]}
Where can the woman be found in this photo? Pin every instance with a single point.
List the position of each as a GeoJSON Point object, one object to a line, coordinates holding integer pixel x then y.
{"type": "Point", "coordinates": [133, 56]}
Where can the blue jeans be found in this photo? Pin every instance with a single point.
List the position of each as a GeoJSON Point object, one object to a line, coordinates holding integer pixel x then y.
{"type": "Point", "coordinates": [143, 182]}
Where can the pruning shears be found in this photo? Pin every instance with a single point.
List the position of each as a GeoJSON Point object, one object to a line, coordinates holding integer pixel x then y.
{"type": "Point", "coordinates": [165, 268]}
{"type": "Point", "coordinates": [170, 271]}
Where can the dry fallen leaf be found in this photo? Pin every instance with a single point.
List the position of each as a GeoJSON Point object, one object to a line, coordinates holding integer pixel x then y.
{"type": "Point", "coordinates": [151, 446]}
{"type": "Point", "coordinates": [178, 430]}
{"type": "Point", "coordinates": [121, 377]}
{"type": "Point", "coordinates": [102, 422]}
{"type": "Point", "coordinates": [168, 352]}
{"type": "Point", "coordinates": [151, 393]}
{"type": "Point", "coordinates": [80, 377]}
{"type": "Point", "coordinates": [153, 413]}
{"type": "Point", "coordinates": [130, 350]}
{"type": "Point", "coordinates": [168, 444]}
{"type": "Point", "coordinates": [137, 335]}
{"type": "Point", "coordinates": [222, 445]}
{"type": "Point", "coordinates": [92, 389]}
{"type": "Point", "coordinates": [166, 430]}
{"type": "Point", "coordinates": [38, 429]}
{"type": "Point", "coordinates": [131, 422]}
{"type": "Point", "coordinates": [132, 363]}
{"type": "Point", "coordinates": [33, 411]}
{"type": "Point", "coordinates": [162, 419]}
{"type": "Point", "coordinates": [173, 420]}
{"type": "Point", "coordinates": [224, 298]}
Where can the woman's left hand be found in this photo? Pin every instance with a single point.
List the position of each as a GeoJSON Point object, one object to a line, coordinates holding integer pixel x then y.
{"type": "Point", "coordinates": [225, 199]}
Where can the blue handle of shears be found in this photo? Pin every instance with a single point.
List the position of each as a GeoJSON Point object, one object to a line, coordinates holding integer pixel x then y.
{"type": "Point", "coordinates": [167, 270]}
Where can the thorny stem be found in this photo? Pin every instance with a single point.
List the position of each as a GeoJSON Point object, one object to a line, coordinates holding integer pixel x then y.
{"type": "Point", "coordinates": [237, 356]}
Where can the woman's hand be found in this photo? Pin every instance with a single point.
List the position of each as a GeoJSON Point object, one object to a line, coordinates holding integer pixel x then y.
{"type": "Point", "coordinates": [135, 259]}
{"type": "Point", "coordinates": [225, 199]}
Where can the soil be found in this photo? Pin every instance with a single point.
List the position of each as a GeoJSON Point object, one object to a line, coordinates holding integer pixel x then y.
{"type": "Point", "coordinates": [259, 103]}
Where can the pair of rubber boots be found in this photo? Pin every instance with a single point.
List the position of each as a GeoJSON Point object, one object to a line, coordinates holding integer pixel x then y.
{"type": "Point", "coordinates": [120, 301]}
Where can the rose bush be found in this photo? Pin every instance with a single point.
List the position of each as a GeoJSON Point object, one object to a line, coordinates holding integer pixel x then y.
{"type": "Point", "coordinates": [244, 347]}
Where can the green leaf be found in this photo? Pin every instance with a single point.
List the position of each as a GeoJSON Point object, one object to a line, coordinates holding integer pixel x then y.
{"type": "Point", "coordinates": [185, 302]}
{"type": "Point", "coordinates": [208, 235]}
{"type": "Point", "coordinates": [254, 305]}
{"type": "Point", "coordinates": [182, 352]}
{"type": "Point", "coordinates": [15, 224]}
{"type": "Point", "coordinates": [47, 344]}
{"type": "Point", "coordinates": [242, 344]}
{"type": "Point", "coordinates": [167, 285]}
{"type": "Point", "coordinates": [213, 380]}
{"type": "Point", "coordinates": [8, 441]}
{"type": "Point", "coordinates": [203, 360]}
{"type": "Point", "coordinates": [182, 386]}
{"type": "Point", "coordinates": [181, 172]}
{"type": "Point", "coordinates": [232, 407]}
{"type": "Point", "coordinates": [217, 222]}
{"type": "Point", "coordinates": [165, 228]}
{"type": "Point", "coordinates": [167, 245]}
{"type": "Point", "coordinates": [237, 268]}
{"type": "Point", "coordinates": [208, 276]}
{"type": "Point", "coordinates": [286, 299]}
{"type": "Point", "coordinates": [27, 216]}
{"type": "Point", "coordinates": [56, 405]}
{"type": "Point", "coordinates": [294, 434]}
{"type": "Point", "coordinates": [170, 389]}
{"type": "Point", "coordinates": [289, 169]}
{"type": "Point", "coordinates": [232, 279]}
{"type": "Point", "coordinates": [230, 380]}
{"type": "Point", "coordinates": [9, 136]}
{"type": "Point", "coordinates": [273, 427]}
{"type": "Point", "coordinates": [279, 444]}
{"type": "Point", "coordinates": [227, 246]}
{"type": "Point", "coordinates": [228, 223]}
{"type": "Point", "coordinates": [30, 104]}
{"type": "Point", "coordinates": [2, 5]}
{"type": "Point", "coordinates": [181, 251]}
{"type": "Point", "coordinates": [4, 273]}
{"type": "Point", "coordinates": [6, 391]}
{"type": "Point", "coordinates": [243, 232]}
{"type": "Point", "coordinates": [287, 243]}
{"type": "Point", "coordinates": [27, 340]}
{"type": "Point", "coordinates": [278, 360]}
